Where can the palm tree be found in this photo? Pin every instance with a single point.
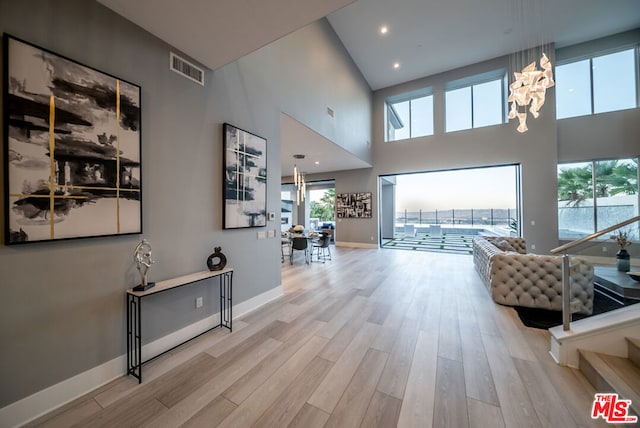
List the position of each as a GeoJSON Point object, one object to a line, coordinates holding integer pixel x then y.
{"type": "Point", "coordinates": [612, 178]}
{"type": "Point", "coordinates": [574, 185]}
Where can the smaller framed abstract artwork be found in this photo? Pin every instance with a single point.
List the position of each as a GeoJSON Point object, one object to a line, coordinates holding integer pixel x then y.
{"type": "Point", "coordinates": [71, 148]}
{"type": "Point", "coordinates": [245, 179]}
{"type": "Point", "coordinates": [353, 205]}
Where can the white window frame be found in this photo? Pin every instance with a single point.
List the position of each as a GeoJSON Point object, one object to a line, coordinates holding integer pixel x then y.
{"type": "Point", "coordinates": [590, 58]}
{"type": "Point", "coordinates": [478, 79]}
{"type": "Point", "coordinates": [391, 117]}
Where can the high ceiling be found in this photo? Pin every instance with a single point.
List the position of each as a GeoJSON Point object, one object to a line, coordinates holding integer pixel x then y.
{"type": "Point", "coordinates": [424, 37]}
{"type": "Point", "coordinates": [429, 37]}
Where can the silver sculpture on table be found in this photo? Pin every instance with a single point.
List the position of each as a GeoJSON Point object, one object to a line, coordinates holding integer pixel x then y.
{"type": "Point", "coordinates": [142, 257]}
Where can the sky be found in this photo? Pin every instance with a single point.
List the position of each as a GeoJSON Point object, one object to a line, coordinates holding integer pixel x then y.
{"type": "Point", "coordinates": [461, 189]}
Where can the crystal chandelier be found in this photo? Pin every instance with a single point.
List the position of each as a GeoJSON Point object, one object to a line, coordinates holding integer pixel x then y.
{"type": "Point", "coordinates": [299, 181]}
{"type": "Point", "coordinates": [528, 90]}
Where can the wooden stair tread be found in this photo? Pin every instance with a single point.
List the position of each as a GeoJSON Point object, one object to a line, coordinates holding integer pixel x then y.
{"type": "Point", "coordinates": [619, 373]}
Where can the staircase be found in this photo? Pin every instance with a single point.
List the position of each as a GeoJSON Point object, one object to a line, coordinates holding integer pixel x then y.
{"type": "Point", "coordinates": [610, 373]}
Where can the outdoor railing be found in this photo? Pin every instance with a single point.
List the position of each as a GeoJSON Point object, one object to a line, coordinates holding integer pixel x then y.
{"type": "Point", "coordinates": [469, 216]}
{"type": "Point", "coordinates": [566, 268]}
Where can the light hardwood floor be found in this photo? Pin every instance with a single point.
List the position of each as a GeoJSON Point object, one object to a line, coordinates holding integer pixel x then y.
{"type": "Point", "coordinates": [374, 338]}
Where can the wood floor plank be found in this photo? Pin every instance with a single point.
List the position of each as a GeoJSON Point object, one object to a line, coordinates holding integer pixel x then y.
{"type": "Point", "coordinates": [449, 345]}
{"type": "Point", "coordinates": [237, 338]}
{"type": "Point", "coordinates": [419, 397]}
{"type": "Point", "coordinates": [350, 309]}
{"type": "Point", "coordinates": [291, 401]}
{"type": "Point", "coordinates": [355, 400]}
{"type": "Point", "coordinates": [341, 340]}
{"type": "Point", "coordinates": [338, 306]}
{"type": "Point", "coordinates": [389, 331]}
{"type": "Point", "coordinates": [383, 411]}
{"type": "Point", "coordinates": [394, 377]}
{"type": "Point", "coordinates": [130, 413]}
{"type": "Point", "coordinates": [213, 412]}
{"type": "Point", "coordinates": [328, 393]}
{"type": "Point", "coordinates": [477, 373]}
{"type": "Point", "coordinates": [309, 417]}
{"type": "Point", "coordinates": [451, 404]}
{"type": "Point", "coordinates": [184, 382]}
{"type": "Point", "coordinates": [250, 410]}
{"type": "Point", "coordinates": [380, 312]}
{"type": "Point", "coordinates": [69, 415]}
{"type": "Point", "coordinates": [174, 387]}
{"type": "Point", "coordinates": [515, 403]}
{"type": "Point", "coordinates": [201, 397]}
{"type": "Point", "coordinates": [549, 407]}
{"type": "Point", "coordinates": [244, 386]}
{"type": "Point", "coordinates": [483, 415]}
{"type": "Point", "coordinates": [512, 334]}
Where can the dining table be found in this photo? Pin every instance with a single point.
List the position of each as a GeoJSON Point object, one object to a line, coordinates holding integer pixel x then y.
{"type": "Point", "coordinates": [287, 241]}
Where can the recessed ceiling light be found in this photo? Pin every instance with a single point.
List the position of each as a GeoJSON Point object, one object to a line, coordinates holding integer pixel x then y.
{"type": "Point", "coordinates": [384, 29]}
{"type": "Point", "coordinates": [317, 163]}
{"type": "Point", "coordinates": [396, 65]}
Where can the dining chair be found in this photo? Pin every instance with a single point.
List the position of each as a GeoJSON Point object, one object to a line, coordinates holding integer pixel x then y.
{"type": "Point", "coordinates": [300, 244]}
{"type": "Point", "coordinates": [285, 243]}
{"type": "Point", "coordinates": [322, 246]}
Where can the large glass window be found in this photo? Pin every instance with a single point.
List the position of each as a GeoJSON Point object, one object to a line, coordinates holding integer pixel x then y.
{"type": "Point", "coordinates": [596, 85]}
{"type": "Point", "coordinates": [475, 102]}
{"type": "Point", "coordinates": [595, 195]}
{"type": "Point", "coordinates": [458, 112]}
{"type": "Point", "coordinates": [409, 115]}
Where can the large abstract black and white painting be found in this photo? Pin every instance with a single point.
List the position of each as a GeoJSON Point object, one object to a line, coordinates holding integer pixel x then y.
{"type": "Point", "coordinates": [353, 205]}
{"type": "Point", "coordinates": [245, 179]}
{"type": "Point", "coordinates": [72, 148]}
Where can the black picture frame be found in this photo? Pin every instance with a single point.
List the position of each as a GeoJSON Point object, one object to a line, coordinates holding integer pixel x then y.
{"type": "Point", "coordinates": [353, 205]}
{"type": "Point", "coordinates": [245, 179]}
{"type": "Point", "coordinates": [72, 148]}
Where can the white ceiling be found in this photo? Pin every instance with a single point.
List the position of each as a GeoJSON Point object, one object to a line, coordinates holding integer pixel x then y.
{"type": "Point", "coordinates": [218, 32]}
{"type": "Point", "coordinates": [425, 36]}
{"type": "Point", "coordinates": [429, 37]}
{"type": "Point", "coordinates": [299, 139]}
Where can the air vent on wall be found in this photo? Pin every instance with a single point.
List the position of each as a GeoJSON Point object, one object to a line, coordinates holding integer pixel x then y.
{"type": "Point", "coordinates": [186, 69]}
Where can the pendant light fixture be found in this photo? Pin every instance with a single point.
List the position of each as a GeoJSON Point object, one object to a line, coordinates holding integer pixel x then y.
{"type": "Point", "coordinates": [299, 181]}
{"type": "Point", "coordinates": [527, 92]}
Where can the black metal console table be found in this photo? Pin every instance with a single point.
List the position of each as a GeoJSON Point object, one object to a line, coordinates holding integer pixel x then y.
{"type": "Point", "coordinates": [134, 313]}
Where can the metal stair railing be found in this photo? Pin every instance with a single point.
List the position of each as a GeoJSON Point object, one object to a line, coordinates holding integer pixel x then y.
{"type": "Point", "coordinates": [566, 268]}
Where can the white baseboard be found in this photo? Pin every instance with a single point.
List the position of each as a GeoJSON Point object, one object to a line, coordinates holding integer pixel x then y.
{"type": "Point", "coordinates": [355, 245]}
{"type": "Point", "coordinates": [49, 399]}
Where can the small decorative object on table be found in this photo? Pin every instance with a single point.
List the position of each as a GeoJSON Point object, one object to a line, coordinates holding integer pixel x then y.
{"type": "Point", "coordinates": [622, 256]}
{"type": "Point", "coordinates": [142, 256]}
{"type": "Point", "coordinates": [217, 260]}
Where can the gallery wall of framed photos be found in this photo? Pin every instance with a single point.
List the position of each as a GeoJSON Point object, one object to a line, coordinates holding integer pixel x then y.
{"type": "Point", "coordinates": [353, 205]}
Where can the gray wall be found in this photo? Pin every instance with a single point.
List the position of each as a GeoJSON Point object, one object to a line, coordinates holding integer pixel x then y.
{"type": "Point", "coordinates": [62, 308]}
